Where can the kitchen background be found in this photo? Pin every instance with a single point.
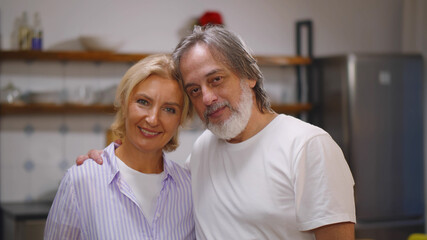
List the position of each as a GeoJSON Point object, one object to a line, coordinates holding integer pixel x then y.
{"type": "Point", "coordinates": [36, 150]}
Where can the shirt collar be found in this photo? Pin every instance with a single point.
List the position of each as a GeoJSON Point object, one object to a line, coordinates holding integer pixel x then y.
{"type": "Point", "coordinates": [109, 157]}
{"type": "Point", "coordinates": [169, 169]}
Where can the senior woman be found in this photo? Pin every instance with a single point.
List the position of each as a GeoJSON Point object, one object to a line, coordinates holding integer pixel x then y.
{"type": "Point", "coordinates": [137, 193]}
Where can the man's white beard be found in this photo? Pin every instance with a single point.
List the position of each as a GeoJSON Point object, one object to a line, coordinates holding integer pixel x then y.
{"type": "Point", "coordinates": [239, 118]}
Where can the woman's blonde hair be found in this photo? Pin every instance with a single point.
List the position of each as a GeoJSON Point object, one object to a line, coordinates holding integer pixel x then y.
{"type": "Point", "coordinates": [160, 65]}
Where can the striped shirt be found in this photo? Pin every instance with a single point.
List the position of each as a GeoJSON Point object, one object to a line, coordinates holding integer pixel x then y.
{"type": "Point", "coordinates": [94, 202]}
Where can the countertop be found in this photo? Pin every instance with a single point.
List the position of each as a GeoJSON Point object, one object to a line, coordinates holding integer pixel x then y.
{"type": "Point", "coordinates": [26, 210]}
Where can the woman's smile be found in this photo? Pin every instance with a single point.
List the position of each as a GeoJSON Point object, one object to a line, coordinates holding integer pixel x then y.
{"type": "Point", "coordinates": [148, 133]}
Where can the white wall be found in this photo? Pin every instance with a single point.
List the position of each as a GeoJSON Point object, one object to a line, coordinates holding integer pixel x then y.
{"type": "Point", "coordinates": [267, 26]}
{"type": "Point", "coordinates": [30, 168]}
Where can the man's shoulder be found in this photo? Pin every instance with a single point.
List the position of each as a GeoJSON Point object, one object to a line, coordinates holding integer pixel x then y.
{"type": "Point", "coordinates": [205, 138]}
{"type": "Point", "coordinates": [297, 127]}
{"type": "Point", "coordinates": [291, 131]}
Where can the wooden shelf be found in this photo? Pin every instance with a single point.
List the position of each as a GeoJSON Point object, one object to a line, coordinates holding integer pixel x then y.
{"type": "Point", "coordinates": [70, 56]}
{"type": "Point", "coordinates": [126, 57]}
{"type": "Point", "coordinates": [291, 109]}
{"type": "Point", "coordinates": [282, 60]}
{"type": "Point", "coordinates": [39, 108]}
{"type": "Point", "coordinates": [21, 109]}
{"type": "Point", "coordinates": [53, 109]}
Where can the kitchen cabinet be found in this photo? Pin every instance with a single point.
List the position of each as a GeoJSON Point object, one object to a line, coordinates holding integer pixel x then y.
{"type": "Point", "coordinates": [24, 220]}
{"type": "Point", "coordinates": [15, 109]}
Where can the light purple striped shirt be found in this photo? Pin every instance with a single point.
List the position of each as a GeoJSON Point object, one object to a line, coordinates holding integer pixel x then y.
{"type": "Point", "coordinates": [94, 202]}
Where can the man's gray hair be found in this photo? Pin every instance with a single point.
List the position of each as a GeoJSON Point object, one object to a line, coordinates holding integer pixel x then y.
{"type": "Point", "coordinates": [230, 49]}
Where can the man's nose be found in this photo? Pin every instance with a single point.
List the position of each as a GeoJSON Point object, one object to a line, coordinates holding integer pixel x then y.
{"type": "Point", "coordinates": [209, 96]}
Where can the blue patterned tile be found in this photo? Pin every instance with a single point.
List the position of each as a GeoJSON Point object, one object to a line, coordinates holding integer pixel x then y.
{"type": "Point", "coordinates": [29, 198]}
{"type": "Point", "coordinates": [29, 165]}
{"type": "Point", "coordinates": [63, 165]}
{"type": "Point", "coordinates": [29, 129]}
{"type": "Point", "coordinates": [63, 129]}
{"type": "Point", "coordinates": [97, 128]}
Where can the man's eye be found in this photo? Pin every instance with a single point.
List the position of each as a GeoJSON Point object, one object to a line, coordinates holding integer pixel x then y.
{"type": "Point", "coordinates": [194, 92]}
{"type": "Point", "coordinates": [216, 79]}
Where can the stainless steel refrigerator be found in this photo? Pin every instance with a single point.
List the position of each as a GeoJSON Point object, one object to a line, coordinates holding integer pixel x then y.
{"type": "Point", "coordinates": [372, 105]}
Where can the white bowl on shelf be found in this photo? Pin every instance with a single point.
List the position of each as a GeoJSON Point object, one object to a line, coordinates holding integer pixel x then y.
{"type": "Point", "coordinates": [105, 43]}
{"type": "Point", "coordinates": [47, 97]}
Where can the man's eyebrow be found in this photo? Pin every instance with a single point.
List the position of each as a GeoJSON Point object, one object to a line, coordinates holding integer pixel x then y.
{"type": "Point", "coordinates": [213, 72]}
{"type": "Point", "coordinates": [188, 85]}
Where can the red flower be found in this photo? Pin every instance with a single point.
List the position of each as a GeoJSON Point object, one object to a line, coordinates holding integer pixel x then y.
{"type": "Point", "coordinates": [210, 18]}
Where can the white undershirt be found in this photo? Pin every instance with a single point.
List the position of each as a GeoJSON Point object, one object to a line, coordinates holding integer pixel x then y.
{"type": "Point", "coordinates": [146, 187]}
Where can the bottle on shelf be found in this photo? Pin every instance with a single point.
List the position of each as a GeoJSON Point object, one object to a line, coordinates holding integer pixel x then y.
{"type": "Point", "coordinates": [24, 40]}
{"type": "Point", "coordinates": [37, 36]}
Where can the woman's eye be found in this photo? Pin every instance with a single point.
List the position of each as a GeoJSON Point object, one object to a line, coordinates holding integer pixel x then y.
{"type": "Point", "coordinates": [170, 110]}
{"type": "Point", "coordinates": [142, 102]}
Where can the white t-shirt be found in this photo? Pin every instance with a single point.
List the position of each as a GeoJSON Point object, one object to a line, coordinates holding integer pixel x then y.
{"type": "Point", "coordinates": [289, 178]}
{"type": "Point", "coordinates": [146, 187]}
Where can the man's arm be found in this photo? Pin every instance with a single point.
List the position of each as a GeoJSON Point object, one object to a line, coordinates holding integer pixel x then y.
{"type": "Point", "coordinates": [338, 231]}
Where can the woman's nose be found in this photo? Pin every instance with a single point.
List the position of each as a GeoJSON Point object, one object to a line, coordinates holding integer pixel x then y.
{"type": "Point", "coordinates": [153, 118]}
